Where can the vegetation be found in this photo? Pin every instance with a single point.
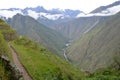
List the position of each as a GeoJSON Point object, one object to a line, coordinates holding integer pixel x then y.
{"type": "Point", "coordinates": [43, 65]}
{"type": "Point", "coordinates": [96, 48]}
{"type": "Point", "coordinates": [110, 73]}
{"type": "Point", "coordinates": [4, 50]}
{"type": "Point", "coordinates": [37, 32]}
{"type": "Point", "coordinates": [4, 75]}
{"type": "Point", "coordinates": [5, 28]}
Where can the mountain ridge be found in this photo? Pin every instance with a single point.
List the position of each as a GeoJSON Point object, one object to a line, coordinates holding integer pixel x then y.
{"type": "Point", "coordinates": [28, 26]}
{"type": "Point", "coordinates": [97, 48]}
{"type": "Point", "coordinates": [41, 12]}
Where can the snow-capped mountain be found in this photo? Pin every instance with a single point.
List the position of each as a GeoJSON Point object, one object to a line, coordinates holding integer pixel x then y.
{"type": "Point", "coordinates": [104, 10]}
{"type": "Point", "coordinates": [40, 12]}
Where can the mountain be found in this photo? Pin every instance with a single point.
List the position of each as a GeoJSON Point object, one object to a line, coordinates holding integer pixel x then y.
{"type": "Point", "coordinates": [37, 61]}
{"type": "Point", "coordinates": [41, 12]}
{"type": "Point", "coordinates": [29, 27]}
{"type": "Point", "coordinates": [40, 63]}
{"type": "Point", "coordinates": [107, 10]}
{"type": "Point", "coordinates": [74, 29]}
{"type": "Point", "coordinates": [98, 48]}
{"type": "Point", "coordinates": [47, 17]}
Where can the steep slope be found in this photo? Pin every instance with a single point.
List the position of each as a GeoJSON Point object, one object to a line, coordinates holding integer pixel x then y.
{"type": "Point", "coordinates": [75, 28]}
{"type": "Point", "coordinates": [43, 65]}
{"type": "Point", "coordinates": [103, 8]}
{"type": "Point", "coordinates": [40, 63]}
{"type": "Point", "coordinates": [6, 34]}
{"type": "Point", "coordinates": [97, 48]}
{"type": "Point", "coordinates": [37, 32]}
{"type": "Point", "coordinates": [107, 10]}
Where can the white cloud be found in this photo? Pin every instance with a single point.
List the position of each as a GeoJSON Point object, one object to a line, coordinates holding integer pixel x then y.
{"type": "Point", "coordinates": [11, 14]}
{"type": "Point", "coordinates": [84, 5]}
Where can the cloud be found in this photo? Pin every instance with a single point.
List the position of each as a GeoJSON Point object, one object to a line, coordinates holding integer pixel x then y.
{"type": "Point", "coordinates": [84, 5]}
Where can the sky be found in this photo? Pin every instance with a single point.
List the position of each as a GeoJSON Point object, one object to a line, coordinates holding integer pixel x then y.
{"type": "Point", "coordinates": [83, 5]}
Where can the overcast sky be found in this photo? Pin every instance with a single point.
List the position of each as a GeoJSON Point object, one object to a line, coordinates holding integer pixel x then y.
{"type": "Point", "coordinates": [83, 5]}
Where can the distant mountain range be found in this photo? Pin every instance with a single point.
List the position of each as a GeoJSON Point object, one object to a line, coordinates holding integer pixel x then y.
{"type": "Point", "coordinates": [56, 16]}
{"type": "Point", "coordinates": [41, 12]}
{"type": "Point", "coordinates": [74, 29]}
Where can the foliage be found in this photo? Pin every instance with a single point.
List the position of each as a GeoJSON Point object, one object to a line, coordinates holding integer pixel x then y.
{"type": "Point", "coordinates": [43, 65]}
{"type": "Point", "coordinates": [3, 46]}
{"type": "Point", "coordinates": [96, 48]}
{"type": "Point", "coordinates": [37, 32]}
{"type": "Point", "coordinates": [109, 73]}
{"type": "Point", "coordinates": [4, 75]}
{"type": "Point", "coordinates": [5, 31]}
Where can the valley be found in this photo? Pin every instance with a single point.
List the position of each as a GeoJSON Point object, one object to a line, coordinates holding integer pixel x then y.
{"type": "Point", "coordinates": [60, 44]}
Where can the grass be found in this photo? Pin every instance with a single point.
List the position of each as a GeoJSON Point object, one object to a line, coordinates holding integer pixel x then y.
{"type": "Point", "coordinates": [42, 65]}
{"type": "Point", "coordinates": [106, 74]}
{"type": "Point", "coordinates": [4, 75]}
{"type": "Point", "coordinates": [4, 49]}
{"type": "Point", "coordinates": [5, 29]}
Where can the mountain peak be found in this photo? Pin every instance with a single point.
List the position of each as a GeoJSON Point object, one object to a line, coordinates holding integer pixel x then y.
{"type": "Point", "coordinates": [40, 12]}
{"type": "Point", "coordinates": [104, 10]}
{"type": "Point", "coordinates": [101, 8]}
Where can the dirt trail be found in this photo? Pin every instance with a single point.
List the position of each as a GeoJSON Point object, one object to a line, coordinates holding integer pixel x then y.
{"type": "Point", "coordinates": [18, 64]}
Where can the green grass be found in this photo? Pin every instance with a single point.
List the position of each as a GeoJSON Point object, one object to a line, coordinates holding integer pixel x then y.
{"type": "Point", "coordinates": [43, 65]}
{"type": "Point", "coordinates": [4, 49]}
{"type": "Point", "coordinates": [4, 75]}
{"type": "Point", "coordinates": [5, 31]}
{"type": "Point", "coordinates": [96, 49]}
{"type": "Point", "coordinates": [106, 74]}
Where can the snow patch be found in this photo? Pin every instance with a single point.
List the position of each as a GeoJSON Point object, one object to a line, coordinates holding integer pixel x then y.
{"type": "Point", "coordinates": [108, 12]}
{"type": "Point", "coordinates": [112, 10]}
{"type": "Point", "coordinates": [55, 16]}
{"type": "Point", "coordinates": [33, 14]}
{"type": "Point", "coordinates": [47, 15]}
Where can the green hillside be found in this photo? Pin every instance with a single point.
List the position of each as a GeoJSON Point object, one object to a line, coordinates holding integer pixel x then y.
{"type": "Point", "coordinates": [39, 33]}
{"type": "Point", "coordinates": [98, 48]}
{"type": "Point", "coordinates": [41, 64]}
{"type": "Point", "coordinates": [6, 34]}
